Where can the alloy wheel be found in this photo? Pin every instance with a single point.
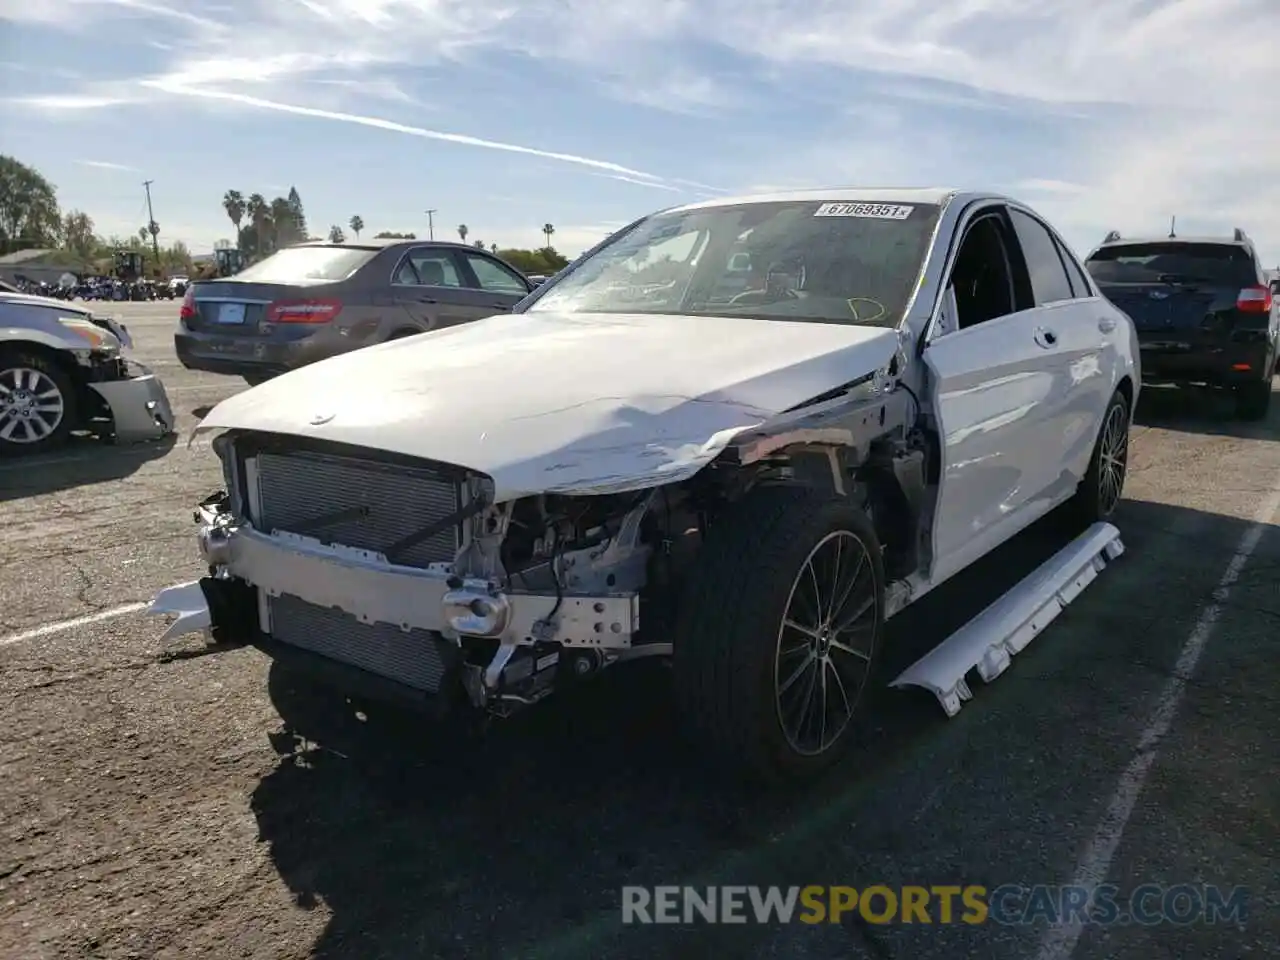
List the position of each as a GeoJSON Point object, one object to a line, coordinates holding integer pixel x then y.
{"type": "Point", "coordinates": [825, 643]}
{"type": "Point", "coordinates": [32, 406]}
{"type": "Point", "coordinates": [1114, 458]}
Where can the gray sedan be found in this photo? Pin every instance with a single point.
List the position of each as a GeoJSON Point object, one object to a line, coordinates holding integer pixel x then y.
{"type": "Point", "coordinates": [315, 300]}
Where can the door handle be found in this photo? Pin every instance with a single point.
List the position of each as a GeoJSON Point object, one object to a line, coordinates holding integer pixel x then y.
{"type": "Point", "coordinates": [426, 300]}
{"type": "Point", "coordinates": [1106, 324]}
{"type": "Point", "coordinates": [1045, 338]}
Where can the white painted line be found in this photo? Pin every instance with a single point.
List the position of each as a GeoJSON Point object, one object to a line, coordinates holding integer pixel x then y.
{"type": "Point", "coordinates": [61, 626]}
{"type": "Point", "coordinates": [1095, 866]}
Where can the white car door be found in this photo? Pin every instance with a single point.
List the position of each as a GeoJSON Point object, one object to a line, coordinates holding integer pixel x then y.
{"type": "Point", "coordinates": [997, 384]}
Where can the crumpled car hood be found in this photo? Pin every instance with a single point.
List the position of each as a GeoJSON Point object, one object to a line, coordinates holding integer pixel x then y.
{"type": "Point", "coordinates": [564, 403]}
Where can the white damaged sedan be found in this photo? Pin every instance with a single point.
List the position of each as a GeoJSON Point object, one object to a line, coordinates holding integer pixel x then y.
{"type": "Point", "coordinates": [739, 434]}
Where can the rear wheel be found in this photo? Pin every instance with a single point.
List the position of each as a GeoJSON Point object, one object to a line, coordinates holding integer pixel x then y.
{"type": "Point", "coordinates": [777, 632]}
{"type": "Point", "coordinates": [1100, 490]}
{"type": "Point", "coordinates": [1253, 400]}
{"type": "Point", "coordinates": [37, 403]}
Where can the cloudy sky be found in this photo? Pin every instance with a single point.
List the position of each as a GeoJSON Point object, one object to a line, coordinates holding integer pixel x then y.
{"type": "Point", "coordinates": [506, 114]}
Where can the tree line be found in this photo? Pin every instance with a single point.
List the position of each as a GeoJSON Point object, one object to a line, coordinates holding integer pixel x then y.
{"type": "Point", "coordinates": [31, 219]}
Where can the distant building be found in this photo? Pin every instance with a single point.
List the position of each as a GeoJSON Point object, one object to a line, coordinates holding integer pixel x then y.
{"type": "Point", "coordinates": [39, 266]}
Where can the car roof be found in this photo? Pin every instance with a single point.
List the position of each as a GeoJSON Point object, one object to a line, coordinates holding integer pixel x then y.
{"type": "Point", "coordinates": [1244, 244]}
{"type": "Point", "coordinates": [904, 195]}
{"type": "Point", "coordinates": [1222, 241]}
{"type": "Point", "coordinates": [382, 243]}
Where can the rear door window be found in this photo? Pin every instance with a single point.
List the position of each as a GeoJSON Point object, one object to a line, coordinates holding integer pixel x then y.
{"type": "Point", "coordinates": [1221, 264]}
{"type": "Point", "coordinates": [308, 265]}
{"type": "Point", "coordinates": [1049, 282]}
{"type": "Point", "coordinates": [1079, 282]}
{"type": "Point", "coordinates": [429, 267]}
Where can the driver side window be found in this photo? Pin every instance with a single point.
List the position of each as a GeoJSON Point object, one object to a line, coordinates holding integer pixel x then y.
{"type": "Point", "coordinates": [981, 278]}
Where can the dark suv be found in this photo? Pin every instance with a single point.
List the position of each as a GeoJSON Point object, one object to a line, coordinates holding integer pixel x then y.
{"type": "Point", "coordinates": [1203, 308]}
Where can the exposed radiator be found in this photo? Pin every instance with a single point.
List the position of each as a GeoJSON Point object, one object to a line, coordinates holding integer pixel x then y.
{"type": "Point", "coordinates": [415, 657]}
{"type": "Point", "coordinates": [297, 487]}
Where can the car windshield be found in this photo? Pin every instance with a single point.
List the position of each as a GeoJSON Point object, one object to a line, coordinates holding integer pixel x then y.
{"type": "Point", "coordinates": [1218, 263]}
{"type": "Point", "coordinates": [308, 264]}
{"type": "Point", "coordinates": [847, 262]}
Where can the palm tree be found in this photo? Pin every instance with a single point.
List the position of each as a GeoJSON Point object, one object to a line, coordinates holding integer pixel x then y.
{"type": "Point", "coordinates": [356, 225]}
{"type": "Point", "coordinates": [493, 248]}
{"type": "Point", "coordinates": [463, 231]}
{"type": "Point", "coordinates": [233, 204]}
{"type": "Point", "coordinates": [479, 244]}
{"type": "Point", "coordinates": [547, 231]}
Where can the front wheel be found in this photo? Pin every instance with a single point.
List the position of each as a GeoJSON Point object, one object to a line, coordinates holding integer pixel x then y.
{"type": "Point", "coordinates": [777, 632]}
{"type": "Point", "coordinates": [37, 403]}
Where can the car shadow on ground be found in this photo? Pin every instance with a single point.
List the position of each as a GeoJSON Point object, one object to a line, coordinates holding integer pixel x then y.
{"type": "Point", "coordinates": [82, 460]}
{"type": "Point", "coordinates": [1202, 410]}
{"type": "Point", "coordinates": [424, 843]}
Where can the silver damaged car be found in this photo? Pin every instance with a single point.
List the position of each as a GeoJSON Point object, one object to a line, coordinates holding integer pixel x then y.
{"type": "Point", "coordinates": [64, 369]}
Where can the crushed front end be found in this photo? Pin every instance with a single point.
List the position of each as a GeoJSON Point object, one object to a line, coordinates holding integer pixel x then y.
{"type": "Point", "coordinates": [131, 402]}
{"type": "Point", "coordinates": [390, 575]}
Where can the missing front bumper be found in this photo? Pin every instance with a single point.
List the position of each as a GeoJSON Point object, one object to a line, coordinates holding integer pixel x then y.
{"type": "Point", "coordinates": [352, 606]}
{"type": "Point", "coordinates": [139, 406]}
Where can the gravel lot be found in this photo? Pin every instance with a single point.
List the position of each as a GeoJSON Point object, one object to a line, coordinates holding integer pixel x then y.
{"type": "Point", "coordinates": [154, 804]}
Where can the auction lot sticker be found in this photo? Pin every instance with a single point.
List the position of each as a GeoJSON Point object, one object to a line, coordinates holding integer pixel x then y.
{"type": "Point", "coordinates": [873, 211]}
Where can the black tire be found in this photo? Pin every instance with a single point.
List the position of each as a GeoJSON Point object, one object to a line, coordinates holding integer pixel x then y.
{"type": "Point", "coordinates": [1253, 400]}
{"type": "Point", "coordinates": [401, 334]}
{"type": "Point", "coordinates": [13, 359]}
{"type": "Point", "coordinates": [1100, 491]}
{"type": "Point", "coordinates": [255, 379]}
{"type": "Point", "coordinates": [729, 633]}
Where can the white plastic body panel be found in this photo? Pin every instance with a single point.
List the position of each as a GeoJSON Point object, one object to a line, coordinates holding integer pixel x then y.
{"type": "Point", "coordinates": [990, 640]}
{"type": "Point", "coordinates": [186, 602]}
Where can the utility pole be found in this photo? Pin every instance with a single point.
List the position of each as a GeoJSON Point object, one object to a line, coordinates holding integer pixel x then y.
{"type": "Point", "coordinates": [151, 224]}
{"type": "Point", "coordinates": [431, 223]}
{"type": "Point", "coordinates": [1173, 222]}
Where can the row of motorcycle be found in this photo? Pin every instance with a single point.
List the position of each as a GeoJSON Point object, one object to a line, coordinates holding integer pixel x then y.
{"type": "Point", "coordinates": [104, 288]}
